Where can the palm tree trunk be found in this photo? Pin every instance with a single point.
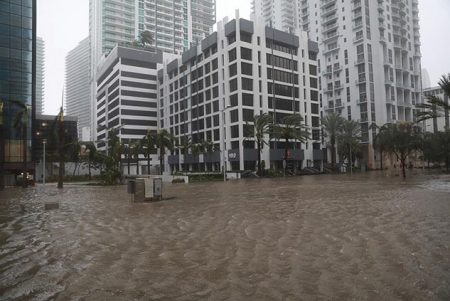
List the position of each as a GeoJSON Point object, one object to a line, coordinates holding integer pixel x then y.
{"type": "Point", "coordinates": [137, 165]}
{"type": "Point", "coordinates": [25, 172]}
{"type": "Point", "coordinates": [402, 161]}
{"type": "Point", "coordinates": [148, 163]}
{"type": "Point", "coordinates": [381, 159]}
{"type": "Point", "coordinates": [161, 159]}
{"type": "Point", "coordinates": [350, 159]}
{"type": "Point", "coordinates": [285, 155]}
{"type": "Point", "coordinates": [89, 167]}
{"type": "Point", "coordinates": [61, 154]}
{"type": "Point", "coordinates": [333, 152]}
{"type": "Point", "coordinates": [128, 161]}
{"type": "Point", "coordinates": [259, 158]}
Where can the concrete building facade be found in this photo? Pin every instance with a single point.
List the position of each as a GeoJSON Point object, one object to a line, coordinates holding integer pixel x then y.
{"type": "Point", "coordinates": [212, 92]}
{"type": "Point", "coordinates": [127, 97]}
{"type": "Point", "coordinates": [369, 60]}
{"type": "Point", "coordinates": [77, 87]}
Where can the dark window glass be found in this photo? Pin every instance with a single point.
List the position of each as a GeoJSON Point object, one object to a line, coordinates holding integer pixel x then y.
{"type": "Point", "coordinates": [234, 116]}
{"type": "Point", "coordinates": [246, 53]}
{"type": "Point", "coordinates": [233, 85]}
{"type": "Point", "coordinates": [246, 68]}
{"type": "Point", "coordinates": [234, 100]}
{"type": "Point", "coordinates": [247, 99]}
{"type": "Point", "coordinates": [247, 115]}
{"type": "Point", "coordinates": [232, 55]}
{"type": "Point", "coordinates": [233, 69]}
{"type": "Point", "coordinates": [245, 37]}
{"type": "Point", "coordinates": [247, 84]}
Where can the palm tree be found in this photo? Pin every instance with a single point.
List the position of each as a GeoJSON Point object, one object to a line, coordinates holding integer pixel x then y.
{"type": "Point", "coordinates": [163, 140]}
{"type": "Point", "coordinates": [349, 138]}
{"type": "Point", "coordinates": [197, 149]}
{"type": "Point", "coordinates": [260, 128]}
{"type": "Point", "coordinates": [112, 160]}
{"type": "Point", "coordinates": [92, 154]}
{"type": "Point", "coordinates": [61, 147]}
{"type": "Point", "coordinates": [75, 156]}
{"type": "Point", "coordinates": [401, 139]}
{"type": "Point", "coordinates": [21, 123]}
{"type": "Point", "coordinates": [148, 147]}
{"type": "Point", "coordinates": [435, 106]}
{"type": "Point", "coordinates": [136, 150]}
{"type": "Point", "coordinates": [332, 124]}
{"type": "Point", "coordinates": [183, 146]}
{"type": "Point", "coordinates": [291, 128]}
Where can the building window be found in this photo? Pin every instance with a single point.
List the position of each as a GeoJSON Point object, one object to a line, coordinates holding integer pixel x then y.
{"type": "Point", "coordinates": [246, 53]}
{"type": "Point", "coordinates": [233, 69]}
{"type": "Point", "coordinates": [233, 85]}
{"type": "Point", "coordinates": [247, 84]}
{"type": "Point", "coordinates": [246, 68]}
{"type": "Point", "coordinates": [231, 55]}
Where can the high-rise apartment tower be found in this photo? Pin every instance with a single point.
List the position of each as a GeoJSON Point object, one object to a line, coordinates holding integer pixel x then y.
{"type": "Point", "coordinates": [175, 24]}
{"type": "Point", "coordinates": [40, 75]}
{"type": "Point", "coordinates": [370, 57]}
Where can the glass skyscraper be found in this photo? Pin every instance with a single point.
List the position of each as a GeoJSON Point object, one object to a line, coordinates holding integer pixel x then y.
{"type": "Point", "coordinates": [17, 84]}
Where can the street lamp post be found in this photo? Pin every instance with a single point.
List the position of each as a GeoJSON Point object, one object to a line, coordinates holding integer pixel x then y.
{"type": "Point", "coordinates": [224, 147]}
{"type": "Point", "coordinates": [44, 142]}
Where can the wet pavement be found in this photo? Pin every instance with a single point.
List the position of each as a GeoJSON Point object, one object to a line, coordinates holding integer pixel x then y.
{"type": "Point", "coordinates": [361, 237]}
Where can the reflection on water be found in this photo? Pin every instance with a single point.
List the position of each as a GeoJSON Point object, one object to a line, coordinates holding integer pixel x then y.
{"type": "Point", "coordinates": [319, 237]}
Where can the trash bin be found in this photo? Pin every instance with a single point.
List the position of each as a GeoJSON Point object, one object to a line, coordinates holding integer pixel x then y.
{"type": "Point", "coordinates": [131, 187]}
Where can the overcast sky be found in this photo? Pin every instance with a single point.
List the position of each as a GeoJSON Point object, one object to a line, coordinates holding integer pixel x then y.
{"type": "Point", "coordinates": [64, 23]}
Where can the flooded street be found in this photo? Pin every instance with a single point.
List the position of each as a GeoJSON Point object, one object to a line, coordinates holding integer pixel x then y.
{"type": "Point", "coordinates": [362, 237]}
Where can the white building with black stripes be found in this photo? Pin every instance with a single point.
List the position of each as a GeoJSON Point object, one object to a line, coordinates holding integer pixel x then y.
{"type": "Point", "coordinates": [212, 92]}
{"type": "Point", "coordinates": [127, 97]}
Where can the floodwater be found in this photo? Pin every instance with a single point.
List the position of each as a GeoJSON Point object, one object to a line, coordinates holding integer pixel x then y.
{"type": "Point", "coordinates": [361, 237]}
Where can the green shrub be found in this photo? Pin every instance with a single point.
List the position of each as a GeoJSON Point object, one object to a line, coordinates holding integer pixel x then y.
{"type": "Point", "coordinates": [179, 180]}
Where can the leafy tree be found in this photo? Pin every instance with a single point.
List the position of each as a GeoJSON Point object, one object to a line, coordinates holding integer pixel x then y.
{"type": "Point", "coordinates": [436, 147]}
{"type": "Point", "coordinates": [349, 138]}
{"type": "Point", "coordinates": [144, 40]}
{"type": "Point", "coordinates": [401, 139]}
{"type": "Point", "coordinates": [332, 124]}
{"type": "Point", "coordinates": [291, 128]}
{"type": "Point", "coordinates": [261, 127]}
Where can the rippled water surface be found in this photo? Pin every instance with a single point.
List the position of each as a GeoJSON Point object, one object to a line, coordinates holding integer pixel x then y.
{"type": "Point", "coordinates": [367, 237]}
